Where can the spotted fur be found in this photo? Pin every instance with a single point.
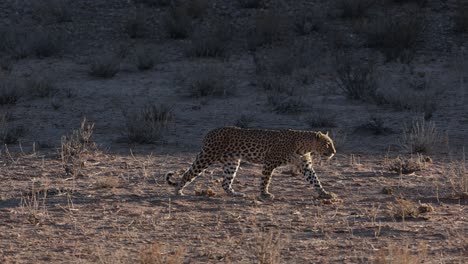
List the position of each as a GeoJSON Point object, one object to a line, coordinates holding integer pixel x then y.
{"type": "Point", "coordinates": [271, 148]}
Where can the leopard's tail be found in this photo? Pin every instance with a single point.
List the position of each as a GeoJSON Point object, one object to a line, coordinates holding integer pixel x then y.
{"type": "Point", "coordinates": [169, 179]}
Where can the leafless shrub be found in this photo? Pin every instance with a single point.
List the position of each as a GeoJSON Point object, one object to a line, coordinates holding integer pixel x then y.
{"type": "Point", "coordinates": [178, 24]}
{"type": "Point", "coordinates": [40, 86]}
{"type": "Point", "coordinates": [267, 247]}
{"type": "Point", "coordinates": [408, 165]}
{"type": "Point", "coordinates": [356, 78]}
{"type": "Point", "coordinates": [269, 27]}
{"type": "Point", "coordinates": [75, 147]}
{"type": "Point", "coordinates": [457, 175]}
{"type": "Point", "coordinates": [354, 8]}
{"type": "Point", "coordinates": [55, 11]}
{"type": "Point", "coordinates": [396, 36]}
{"type": "Point", "coordinates": [34, 206]}
{"type": "Point", "coordinates": [147, 125]}
{"type": "Point", "coordinates": [155, 254]}
{"type": "Point", "coordinates": [11, 90]}
{"type": "Point", "coordinates": [136, 26]}
{"type": "Point", "coordinates": [145, 58]}
{"type": "Point", "coordinates": [420, 136]}
{"type": "Point", "coordinates": [321, 117]}
{"type": "Point", "coordinates": [276, 84]}
{"type": "Point", "coordinates": [402, 209]}
{"type": "Point", "coordinates": [9, 134]}
{"type": "Point", "coordinates": [401, 254]}
{"type": "Point", "coordinates": [244, 121]}
{"type": "Point", "coordinates": [461, 17]}
{"type": "Point", "coordinates": [105, 66]}
{"type": "Point", "coordinates": [207, 45]}
{"type": "Point", "coordinates": [251, 3]}
{"type": "Point", "coordinates": [420, 3]}
{"type": "Point", "coordinates": [154, 3]}
{"type": "Point", "coordinates": [284, 104]}
{"type": "Point", "coordinates": [207, 82]}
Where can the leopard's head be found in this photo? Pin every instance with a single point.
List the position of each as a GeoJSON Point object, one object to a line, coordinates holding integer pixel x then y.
{"type": "Point", "coordinates": [325, 145]}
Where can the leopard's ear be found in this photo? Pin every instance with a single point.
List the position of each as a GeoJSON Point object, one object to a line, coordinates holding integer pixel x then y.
{"type": "Point", "coordinates": [326, 134]}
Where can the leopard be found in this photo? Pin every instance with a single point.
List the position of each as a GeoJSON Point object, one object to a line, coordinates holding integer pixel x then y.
{"type": "Point", "coordinates": [267, 147]}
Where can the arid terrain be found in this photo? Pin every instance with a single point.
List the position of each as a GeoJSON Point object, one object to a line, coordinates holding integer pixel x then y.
{"type": "Point", "coordinates": [99, 99]}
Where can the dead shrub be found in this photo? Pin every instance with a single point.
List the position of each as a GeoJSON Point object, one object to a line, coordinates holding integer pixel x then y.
{"type": "Point", "coordinates": [396, 36]}
{"type": "Point", "coordinates": [401, 254]}
{"type": "Point", "coordinates": [251, 3]}
{"type": "Point", "coordinates": [420, 136]}
{"type": "Point", "coordinates": [41, 86]}
{"type": "Point", "coordinates": [106, 66]}
{"type": "Point", "coordinates": [457, 175]}
{"type": "Point", "coordinates": [284, 104]}
{"type": "Point", "coordinates": [269, 27]}
{"type": "Point", "coordinates": [136, 26]}
{"type": "Point", "coordinates": [145, 58]}
{"type": "Point", "coordinates": [207, 82]}
{"type": "Point", "coordinates": [461, 17]}
{"type": "Point", "coordinates": [11, 90]}
{"type": "Point", "coordinates": [402, 209]}
{"type": "Point", "coordinates": [156, 254]}
{"type": "Point", "coordinates": [409, 165]}
{"type": "Point", "coordinates": [52, 11]}
{"type": "Point", "coordinates": [75, 148]}
{"type": "Point", "coordinates": [147, 124]}
{"type": "Point", "coordinates": [9, 134]}
{"type": "Point", "coordinates": [354, 8]}
{"type": "Point", "coordinates": [321, 117]}
{"type": "Point", "coordinates": [178, 24]}
{"type": "Point", "coordinates": [356, 78]}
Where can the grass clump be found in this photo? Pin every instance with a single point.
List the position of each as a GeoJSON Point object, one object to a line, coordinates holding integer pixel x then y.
{"type": "Point", "coordinates": [147, 124]}
{"type": "Point", "coordinates": [145, 58]}
{"type": "Point", "coordinates": [321, 117]}
{"type": "Point", "coordinates": [409, 165]}
{"type": "Point", "coordinates": [354, 8]}
{"type": "Point", "coordinates": [356, 78]}
{"type": "Point", "coordinates": [9, 134]}
{"type": "Point", "coordinates": [104, 67]}
{"type": "Point", "coordinates": [396, 36]}
{"type": "Point", "coordinates": [457, 175]}
{"type": "Point", "coordinates": [178, 23]}
{"type": "Point", "coordinates": [421, 136]}
{"type": "Point", "coordinates": [41, 86]}
{"type": "Point", "coordinates": [10, 91]}
{"type": "Point", "coordinates": [207, 82]}
{"type": "Point", "coordinates": [402, 209]}
{"type": "Point", "coordinates": [283, 104]}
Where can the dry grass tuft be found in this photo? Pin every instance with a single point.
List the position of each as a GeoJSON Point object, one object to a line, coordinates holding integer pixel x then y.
{"type": "Point", "coordinates": [409, 165]}
{"type": "Point", "coordinates": [421, 136]}
{"type": "Point", "coordinates": [145, 58]}
{"type": "Point", "coordinates": [402, 209]}
{"type": "Point", "coordinates": [457, 175]}
{"type": "Point", "coordinates": [106, 66]}
{"type": "Point", "coordinates": [9, 134]}
{"type": "Point", "coordinates": [147, 125]}
{"type": "Point", "coordinates": [208, 82]}
{"type": "Point", "coordinates": [11, 90]}
{"type": "Point", "coordinates": [41, 86]}
{"type": "Point", "coordinates": [211, 44]}
{"type": "Point", "coordinates": [155, 254]}
{"type": "Point", "coordinates": [284, 104]}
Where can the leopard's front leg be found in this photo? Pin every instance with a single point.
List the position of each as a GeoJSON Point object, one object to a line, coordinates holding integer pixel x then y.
{"type": "Point", "coordinates": [312, 178]}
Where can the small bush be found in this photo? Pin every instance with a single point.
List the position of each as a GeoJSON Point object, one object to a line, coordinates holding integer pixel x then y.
{"type": "Point", "coordinates": [269, 27]}
{"type": "Point", "coordinates": [145, 58]}
{"type": "Point", "coordinates": [207, 82]}
{"type": "Point", "coordinates": [356, 78]}
{"type": "Point", "coordinates": [461, 17]}
{"type": "Point", "coordinates": [421, 136]}
{"type": "Point", "coordinates": [396, 36]}
{"type": "Point", "coordinates": [402, 209]}
{"type": "Point", "coordinates": [283, 104]}
{"type": "Point", "coordinates": [40, 86]}
{"type": "Point", "coordinates": [74, 148]}
{"type": "Point", "coordinates": [457, 175]}
{"type": "Point", "coordinates": [10, 91]}
{"type": "Point", "coordinates": [136, 25]}
{"type": "Point", "coordinates": [244, 121]}
{"type": "Point", "coordinates": [147, 125]}
{"type": "Point", "coordinates": [408, 165]}
{"type": "Point", "coordinates": [276, 84]}
{"type": "Point", "coordinates": [154, 3]}
{"type": "Point", "coordinates": [178, 24]}
{"type": "Point", "coordinates": [251, 3]}
{"type": "Point", "coordinates": [104, 67]}
{"type": "Point", "coordinates": [9, 134]}
{"type": "Point", "coordinates": [55, 11]}
{"type": "Point", "coordinates": [354, 8]}
{"type": "Point", "coordinates": [321, 117]}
